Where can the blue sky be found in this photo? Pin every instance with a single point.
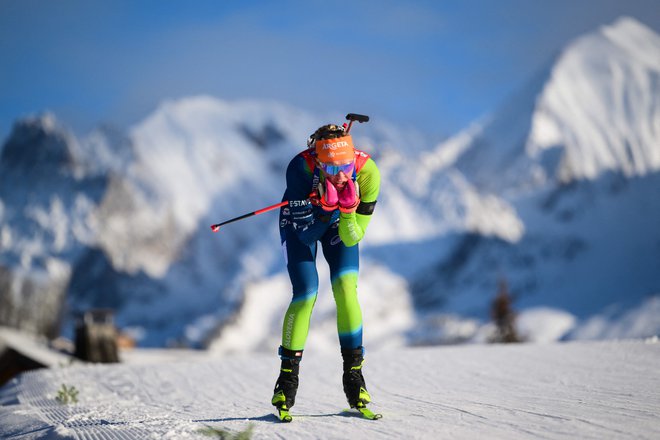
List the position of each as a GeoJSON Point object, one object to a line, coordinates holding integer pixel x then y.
{"type": "Point", "coordinates": [433, 65]}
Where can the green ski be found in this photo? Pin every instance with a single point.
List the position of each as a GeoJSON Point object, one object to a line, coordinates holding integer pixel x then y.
{"type": "Point", "coordinates": [366, 412]}
{"type": "Point", "coordinates": [283, 414]}
{"type": "Point", "coordinates": [369, 414]}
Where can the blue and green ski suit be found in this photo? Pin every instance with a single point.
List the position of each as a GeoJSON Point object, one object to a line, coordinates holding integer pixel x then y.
{"type": "Point", "coordinates": [302, 227]}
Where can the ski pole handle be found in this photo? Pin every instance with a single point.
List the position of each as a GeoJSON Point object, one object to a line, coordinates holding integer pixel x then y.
{"type": "Point", "coordinates": [352, 117]}
{"type": "Point", "coordinates": [216, 227]}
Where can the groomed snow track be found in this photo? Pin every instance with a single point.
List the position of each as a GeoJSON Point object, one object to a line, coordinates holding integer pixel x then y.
{"type": "Point", "coordinates": [605, 390]}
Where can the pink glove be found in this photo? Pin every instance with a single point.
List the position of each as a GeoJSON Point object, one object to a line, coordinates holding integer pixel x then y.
{"type": "Point", "coordinates": [329, 199]}
{"type": "Point", "coordinates": [348, 199]}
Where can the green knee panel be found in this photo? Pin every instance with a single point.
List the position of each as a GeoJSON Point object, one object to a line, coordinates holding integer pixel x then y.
{"type": "Point", "coordinates": [296, 323]}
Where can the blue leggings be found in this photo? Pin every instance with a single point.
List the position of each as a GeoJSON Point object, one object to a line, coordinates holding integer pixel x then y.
{"type": "Point", "coordinates": [301, 264]}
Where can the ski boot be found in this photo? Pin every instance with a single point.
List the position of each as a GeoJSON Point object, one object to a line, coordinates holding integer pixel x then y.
{"type": "Point", "coordinates": [286, 387]}
{"type": "Point", "coordinates": [354, 386]}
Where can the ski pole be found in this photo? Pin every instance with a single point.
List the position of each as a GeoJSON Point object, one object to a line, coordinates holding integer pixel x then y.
{"type": "Point", "coordinates": [352, 117]}
{"type": "Point", "coordinates": [216, 227]}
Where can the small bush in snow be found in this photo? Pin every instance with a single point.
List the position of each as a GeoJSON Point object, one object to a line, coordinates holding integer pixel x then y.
{"type": "Point", "coordinates": [67, 395]}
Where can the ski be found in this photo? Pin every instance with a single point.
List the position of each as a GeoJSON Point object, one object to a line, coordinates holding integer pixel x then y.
{"type": "Point", "coordinates": [367, 413]}
{"type": "Point", "coordinates": [283, 415]}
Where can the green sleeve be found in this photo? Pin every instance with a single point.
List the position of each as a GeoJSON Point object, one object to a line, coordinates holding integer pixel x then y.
{"type": "Point", "coordinates": [353, 226]}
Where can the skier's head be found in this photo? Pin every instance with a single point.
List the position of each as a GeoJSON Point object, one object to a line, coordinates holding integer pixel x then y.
{"type": "Point", "coordinates": [333, 145]}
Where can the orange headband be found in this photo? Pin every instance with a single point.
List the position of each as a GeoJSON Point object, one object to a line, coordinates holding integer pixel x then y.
{"type": "Point", "coordinates": [335, 150]}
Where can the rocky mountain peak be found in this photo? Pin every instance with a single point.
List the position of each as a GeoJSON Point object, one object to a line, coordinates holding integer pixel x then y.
{"type": "Point", "coordinates": [39, 144]}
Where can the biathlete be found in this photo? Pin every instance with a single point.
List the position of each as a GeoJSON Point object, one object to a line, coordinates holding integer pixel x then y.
{"type": "Point", "coordinates": [332, 190]}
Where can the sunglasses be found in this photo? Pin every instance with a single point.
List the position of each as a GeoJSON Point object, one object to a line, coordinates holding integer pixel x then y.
{"type": "Point", "coordinates": [333, 170]}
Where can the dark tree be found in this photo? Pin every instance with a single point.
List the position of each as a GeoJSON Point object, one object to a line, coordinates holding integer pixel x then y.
{"type": "Point", "coordinates": [504, 316]}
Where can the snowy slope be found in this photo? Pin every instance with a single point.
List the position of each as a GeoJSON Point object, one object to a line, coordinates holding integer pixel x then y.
{"type": "Point", "coordinates": [594, 109]}
{"type": "Point", "coordinates": [559, 391]}
{"type": "Point", "coordinates": [601, 105]}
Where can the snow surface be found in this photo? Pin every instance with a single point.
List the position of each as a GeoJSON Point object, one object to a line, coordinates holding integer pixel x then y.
{"type": "Point", "coordinates": [585, 390]}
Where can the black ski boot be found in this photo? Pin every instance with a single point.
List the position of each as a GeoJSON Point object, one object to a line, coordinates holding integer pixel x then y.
{"type": "Point", "coordinates": [284, 395]}
{"type": "Point", "coordinates": [354, 385]}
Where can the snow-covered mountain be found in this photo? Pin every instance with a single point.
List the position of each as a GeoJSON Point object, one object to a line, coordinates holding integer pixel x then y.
{"type": "Point", "coordinates": [576, 154]}
{"type": "Point", "coordinates": [596, 108]}
{"type": "Point", "coordinates": [556, 192]}
{"type": "Point", "coordinates": [45, 204]}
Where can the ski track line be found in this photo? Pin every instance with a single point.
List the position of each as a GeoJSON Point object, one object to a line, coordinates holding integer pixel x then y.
{"type": "Point", "coordinates": [492, 425]}
{"type": "Point", "coordinates": [460, 411]}
{"type": "Point", "coordinates": [515, 411]}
